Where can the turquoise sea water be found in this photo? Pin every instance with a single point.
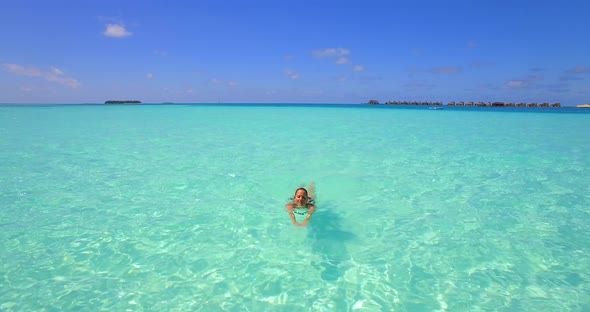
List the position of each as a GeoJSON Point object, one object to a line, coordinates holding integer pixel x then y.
{"type": "Point", "coordinates": [181, 208]}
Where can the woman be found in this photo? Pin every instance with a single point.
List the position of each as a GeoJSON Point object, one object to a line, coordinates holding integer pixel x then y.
{"type": "Point", "coordinates": [302, 204]}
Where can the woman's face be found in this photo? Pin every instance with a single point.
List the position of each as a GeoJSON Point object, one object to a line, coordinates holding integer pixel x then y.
{"type": "Point", "coordinates": [300, 198]}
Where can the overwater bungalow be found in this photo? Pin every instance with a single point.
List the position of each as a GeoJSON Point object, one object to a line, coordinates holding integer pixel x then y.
{"type": "Point", "coordinates": [468, 104]}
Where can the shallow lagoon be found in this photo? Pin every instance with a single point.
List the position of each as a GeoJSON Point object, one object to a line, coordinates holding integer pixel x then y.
{"type": "Point", "coordinates": [180, 207]}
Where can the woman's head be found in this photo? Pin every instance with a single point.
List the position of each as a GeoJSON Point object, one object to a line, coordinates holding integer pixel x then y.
{"type": "Point", "coordinates": [300, 197]}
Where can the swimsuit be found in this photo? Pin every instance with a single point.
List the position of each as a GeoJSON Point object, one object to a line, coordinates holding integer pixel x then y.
{"type": "Point", "coordinates": [300, 213]}
{"type": "Point", "coordinates": [301, 210]}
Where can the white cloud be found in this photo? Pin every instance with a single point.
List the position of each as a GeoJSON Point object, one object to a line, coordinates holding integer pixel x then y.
{"type": "Point", "coordinates": [116, 31]}
{"type": "Point", "coordinates": [579, 70]}
{"type": "Point", "coordinates": [20, 70]}
{"type": "Point", "coordinates": [331, 52]}
{"type": "Point", "coordinates": [515, 84]}
{"type": "Point", "coordinates": [291, 74]}
{"type": "Point", "coordinates": [218, 81]}
{"type": "Point", "coordinates": [339, 54]}
{"type": "Point", "coordinates": [342, 60]}
{"type": "Point", "coordinates": [54, 74]}
{"type": "Point", "coordinates": [446, 70]}
{"type": "Point", "coordinates": [529, 81]}
{"type": "Point", "coordinates": [56, 71]}
{"type": "Point", "coordinates": [149, 75]}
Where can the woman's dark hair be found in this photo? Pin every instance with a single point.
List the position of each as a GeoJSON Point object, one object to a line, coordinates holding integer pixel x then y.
{"type": "Point", "coordinates": [301, 188]}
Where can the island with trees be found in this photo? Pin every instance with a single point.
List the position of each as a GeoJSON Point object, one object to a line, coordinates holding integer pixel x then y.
{"type": "Point", "coordinates": [122, 102]}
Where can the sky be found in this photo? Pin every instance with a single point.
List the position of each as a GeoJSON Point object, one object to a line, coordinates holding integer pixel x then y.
{"type": "Point", "coordinates": [283, 51]}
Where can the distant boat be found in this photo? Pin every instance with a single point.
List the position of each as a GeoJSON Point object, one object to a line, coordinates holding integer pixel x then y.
{"type": "Point", "coordinates": [583, 106]}
{"type": "Point", "coordinates": [435, 107]}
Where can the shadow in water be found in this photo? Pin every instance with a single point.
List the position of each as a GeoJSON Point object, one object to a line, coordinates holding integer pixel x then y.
{"type": "Point", "coordinates": [328, 239]}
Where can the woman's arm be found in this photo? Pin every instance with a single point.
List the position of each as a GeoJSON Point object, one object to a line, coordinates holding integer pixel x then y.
{"type": "Point", "coordinates": [289, 208]}
{"type": "Point", "coordinates": [309, 213]}
{"type": "Point", "coordinates": [311, 190]}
